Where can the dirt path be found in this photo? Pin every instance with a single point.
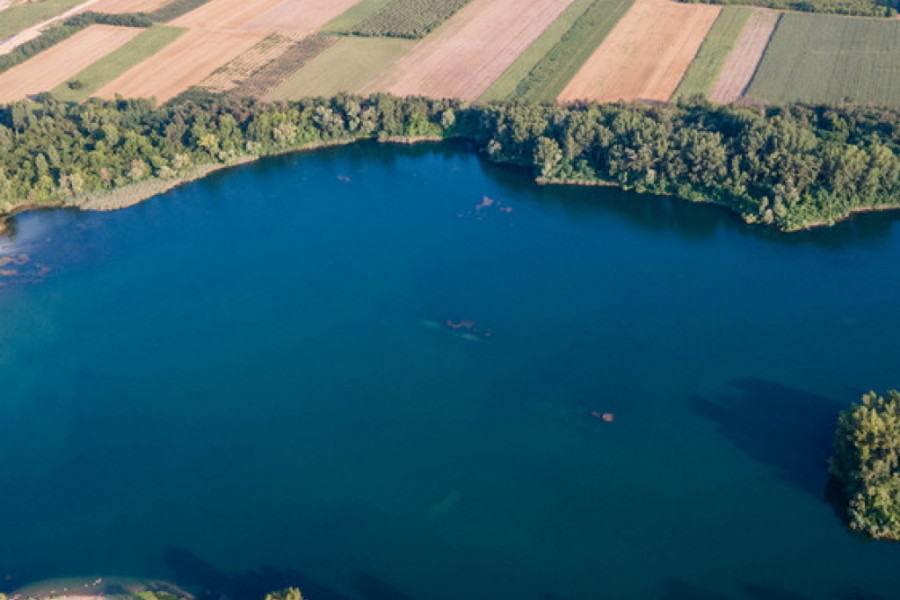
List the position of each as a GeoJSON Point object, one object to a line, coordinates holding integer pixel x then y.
{"type": "Point", "coordinates": [738, 70]}
{"type": "Point", "coordinates": [61, 62]}
{"type": "Point", "coordinates": [645, 55]}
{"type": "Point", "coordinates": [26, 35]}
{"type": "Point", "coordinates": [464, 56]}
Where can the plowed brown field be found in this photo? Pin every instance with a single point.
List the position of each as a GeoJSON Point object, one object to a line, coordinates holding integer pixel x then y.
{"type": "Point", "coordinates": [59, 63]}
{"type": "Point", "coordinates": [181, 64]}
{"type": "Point", "coordinates": [115, 7]}
{"type": "Point", "coordinates": [645, 55]}
{"type": "Point", "coordinates": [301, 16]}
{"type": "Point", "coordinates": [738, 70]}
{"type": "Point", "coordinates": [225, 14]}
{"type": "Point", "coordinates": [467, 53]}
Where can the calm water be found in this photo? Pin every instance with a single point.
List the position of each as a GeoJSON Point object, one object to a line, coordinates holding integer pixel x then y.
{"type": "Point", "coordinates": [249, 382]}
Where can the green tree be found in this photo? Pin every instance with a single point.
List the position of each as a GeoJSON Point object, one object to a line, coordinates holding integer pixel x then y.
{"type": "Point", "coordinates": [288, 594]}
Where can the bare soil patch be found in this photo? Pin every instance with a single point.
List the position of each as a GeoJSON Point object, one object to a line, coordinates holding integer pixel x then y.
{"type": "Point", "coordinates": [116, 7]}
{"type": "Point", "coordinates": [225, 14]}
{"type": "Point", "coordinates": [185, 62]}
{"type": "Point", "coordinates": [301, 16]}
{"type": "Point", "coordinates": [464, 56]}
{"type": "Point", "coordinates": [58, 64]}
{"type": "Point", "coordinates": [646, 54]}
{"type": "Point", "coordinates": [738, 70]}
{"type": "Point", "coordinates": [229, 76]}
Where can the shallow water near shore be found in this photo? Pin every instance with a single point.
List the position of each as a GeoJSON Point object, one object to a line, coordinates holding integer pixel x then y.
{"type": "Point", "coordinates": [370, 371]}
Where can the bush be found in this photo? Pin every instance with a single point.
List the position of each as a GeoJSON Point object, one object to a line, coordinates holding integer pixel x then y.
{"type": "Point", "coordinates": [866, 461]}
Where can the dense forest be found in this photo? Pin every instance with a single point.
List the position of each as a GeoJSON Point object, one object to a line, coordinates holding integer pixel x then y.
{"type": "Point", "coordinates": [789, 167]}
{"type": "Point", "coordinates": [866, 461]}
{"type": "Point", "coordinates": [859, 8]}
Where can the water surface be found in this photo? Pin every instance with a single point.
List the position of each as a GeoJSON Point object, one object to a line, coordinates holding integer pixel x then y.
{"type": "Point", "coordinates": [250, 382]}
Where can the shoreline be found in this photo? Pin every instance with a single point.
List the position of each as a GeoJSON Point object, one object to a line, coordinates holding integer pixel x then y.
{"type": "Point", "coordinates": [131, 195]}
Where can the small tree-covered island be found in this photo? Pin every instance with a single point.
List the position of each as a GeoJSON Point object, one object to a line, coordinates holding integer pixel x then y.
{"type": "Point", "coordinates": [790, 167]}
{"type": "Point", "coordinates": [866, 462]}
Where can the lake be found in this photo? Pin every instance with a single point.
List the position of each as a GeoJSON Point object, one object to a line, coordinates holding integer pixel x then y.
{"type": "Point", "coordinates": [380, 373]}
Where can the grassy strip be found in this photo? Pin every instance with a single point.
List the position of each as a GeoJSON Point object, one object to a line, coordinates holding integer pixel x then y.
{"type": "Point", "coordinates": [412, 19]}
{"type": "Point", "coordinates": [550, 76]}
{"type": "Point", "coordinates": [857, 8]}
{"type": "Point", "coordinates": [112, 65]}
{"type": "Point", "coordinates": [271, 75]}
{"type": "Point", "coordinates": [828, 59]}
{"type": "Point", "coordinates": [16, 18]}
{"type": "Point", "coordinates": [345, 67]}
{"type": "Point", "coordinates": [343, 24]}
{"type": "Point", "coordinates": [175, 9]}
{"type": "Point", "coordinates": [719, 42]}
{"type": "Point", "coordinates": [504, 87]}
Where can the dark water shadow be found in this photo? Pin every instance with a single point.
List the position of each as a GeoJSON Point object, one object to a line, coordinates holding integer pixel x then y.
{"type": "Point", "coordinates": [788, 429]}
{"type": "Point", "coordinates": [370, 587]}
{"type": "Point", "coordinates": [854, 593]}
{"type": "Point", "coordinates": [190, 571]}
{"type": "Point", "coordinates": [678, 589]}
{"type": "Point", "coordinates": [769, 592]}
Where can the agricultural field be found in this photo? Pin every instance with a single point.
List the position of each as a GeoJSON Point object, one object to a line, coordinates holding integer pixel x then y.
{"type": "Point", "coordinates": [58, 64]}
{"type": "Point", "coordinates": [748, 51]}
{"type": "Point", "coordinates": [225, 14]}
{"type": "Point", "coordinates": [411, 19]}
{"type": "Point", "coordinates": [715, 50]}
{"type": "Point", "coordinates": [91, 79]}
{"type": "Point", "coordinates": [555, 70]}
{"type": "Point", "coordinates": [471, 50]}
{"type": "Point", "coordinates": [275, 72]}
{"type": "Point", "coordinates": [305, 16]}
{"type": "Point", "coordinates": [646, 54]}
{"type": "Point", "coordinates": [16, 18]}
{"type": "Point", "coordinates": [345, 67]}
{"type": "Point", "coordinates": [826, 58]}
{"type": "Point", "coordinates": [185, 62]}
{"type": "Point", "coordinates": [117, 7]}
{"type": "Point", "coordinates": [344, 23]}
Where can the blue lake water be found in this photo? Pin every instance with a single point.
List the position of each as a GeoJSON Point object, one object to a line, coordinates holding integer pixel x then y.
{"type": "Point", "coordinates": [251, 382]}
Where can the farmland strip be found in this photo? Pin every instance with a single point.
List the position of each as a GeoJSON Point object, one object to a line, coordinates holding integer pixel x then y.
{"type": "Point", "coordinates": [344, 23]}
{"type": "Point", "coordinates": [744, 59]}
{"type": "Point", "coordinates": [408, 18]}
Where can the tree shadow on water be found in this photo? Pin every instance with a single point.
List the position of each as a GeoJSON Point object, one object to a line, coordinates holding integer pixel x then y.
{"type": "Point", "coordinates": [370, 587]}
{"type": "Point", "coordinates": [783, 427]}
{"type": "Point", "coordinates": [768, 592]}
{"type": "Point", "coordinates": [190, 571]}
{"type": "Point", "coordinates": [678, 589]}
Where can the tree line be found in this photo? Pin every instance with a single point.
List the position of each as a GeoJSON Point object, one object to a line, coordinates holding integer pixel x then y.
{"type": "Point", "coordinates": [789, 167]}
{"type": "Point", "coordinates": [858, 8]}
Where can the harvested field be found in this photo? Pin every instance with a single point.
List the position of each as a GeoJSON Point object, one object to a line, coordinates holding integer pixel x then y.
{"type": "Point", "coordinates": [411, 19]}
{"type": "Point", "coordinates": [270, 76]}
{"type": "Point", "coordinates": [713, 53]}
{"type": "Point", "coordinates": [300, 16]}
{"type": "Point", "coordinates": [744, 59]}
{"type": "Point", "coordinates": [183, 63]}
{"type": "Point", "coordinates": [826, 58]}
{"type": "Point", "coordinates": [646, 55]}
{"type": "Point", "coordinates": [361, 11]}
{"type": "Point", "coordinates": [470, 51]}
{"type": "Point", "coordinates": [505, 86]}
{"type": "Point", "coordinates": [345, 67]}
{"type": "Point", "coordinates": [146, 44]}
{"type": "Point", "coordinates": [59, 63]}
{"type": "Point", "coordinates": [225, 14]}
{"type": "Point", "coordinates": [116, 7]}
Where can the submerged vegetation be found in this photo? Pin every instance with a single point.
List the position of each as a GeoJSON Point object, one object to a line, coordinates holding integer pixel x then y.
{"type": "Point", "coordinates": [866, 461]}
{"type": "Point", "coordinates": [789, 167]}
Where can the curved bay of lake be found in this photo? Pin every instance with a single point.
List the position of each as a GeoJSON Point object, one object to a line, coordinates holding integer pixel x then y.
{"type": "Point", "coordinates": [251, 382]}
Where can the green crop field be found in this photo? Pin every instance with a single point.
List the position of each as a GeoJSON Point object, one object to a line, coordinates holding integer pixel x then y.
{"type": "Point", "coordinates": [505, 86]}
{"type": "Point", "coordinates": [114, 64]}
{"type": "Point", "coordinates": [17, 18]}
{"type": "Point", "coordinates": [345, 23]}
{"type": "Point", "coordinates": [826, 58]}
{"type": "Point", "coordinates": [559, 65]}
{"type": "Point", "coordinates": [719, 42]}
{"type": "Point", "coordinates": [408, 18]}
{"type": "Point", "coordinates": [345, 67]}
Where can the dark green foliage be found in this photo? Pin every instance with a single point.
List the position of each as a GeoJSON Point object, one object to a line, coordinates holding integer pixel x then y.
{"type": "Point", "coordinates": [175, 9]}
{"type": "Point", "coordinates": [70, 27]}
{"type": "Point", "coordinates": [866, 461]}
{"type": "Point", "coordinates": [408, 18]}
{"type": "Point", "coordinates": [789, 167]}
{"type": "Point", "coordinates": [859, 8]}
